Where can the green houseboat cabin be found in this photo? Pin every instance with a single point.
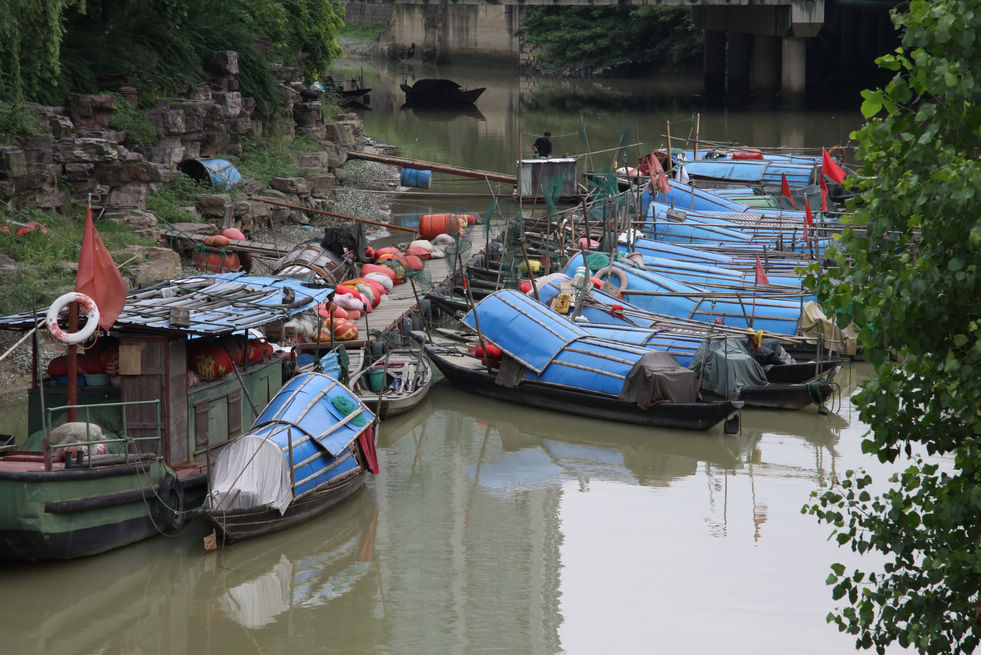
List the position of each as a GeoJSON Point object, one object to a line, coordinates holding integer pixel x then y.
{"type": "Point", "coordinates": [183, 371]}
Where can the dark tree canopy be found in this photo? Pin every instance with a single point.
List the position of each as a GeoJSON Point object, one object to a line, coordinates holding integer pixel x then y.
{"type": "Point", "coordinates": [606, 39]}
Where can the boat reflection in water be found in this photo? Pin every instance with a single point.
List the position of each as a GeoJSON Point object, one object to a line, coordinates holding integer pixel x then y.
{"type": "Point", "coordinates": [165, 596]}
{"type": "Point", "coordinates": [298, 570]}
{"type": "Point", "coordinates": [539, 450]}
{"type": "Point", "coordinates": [444, 113]}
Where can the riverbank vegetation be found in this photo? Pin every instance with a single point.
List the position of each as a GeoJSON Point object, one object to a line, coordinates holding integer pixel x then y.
{"type": "Point", "coordinates": [52, 47]}
{"type": "Point", "coordinates": [911, 278]}
{"type": "Point", "coordinates": [45, 247]}
{"type": "Point", "coordinates": [588, 41]}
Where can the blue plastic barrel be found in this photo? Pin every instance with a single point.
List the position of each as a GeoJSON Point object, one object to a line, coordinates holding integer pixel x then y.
{"type": "Point", "coordinates": [415, 177]}
{"type": "Point", "coordinates": [410, 220]}
{"type": "Point", "coordinates": [220, 172]}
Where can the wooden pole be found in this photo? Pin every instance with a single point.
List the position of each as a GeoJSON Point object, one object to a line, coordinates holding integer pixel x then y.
{"type": "Point", "coordinates": [326, 213]}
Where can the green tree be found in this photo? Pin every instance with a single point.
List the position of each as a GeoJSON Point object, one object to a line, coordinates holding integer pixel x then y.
{"type": "Point", "coordinates": [51, 47]}
{"type": "Point", "coordinates": [908, 274]}
{"type": "Point", "coordinates": [608, 39]}
{"type": "Point", "coordinates": [30, 44]}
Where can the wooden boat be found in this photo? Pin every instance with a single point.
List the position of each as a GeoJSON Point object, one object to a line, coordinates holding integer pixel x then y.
{"type": "Point", "coordinates": [470, 374]}
{"type": "Point", "coordinates": [310, 449]}
{"type": "Point", "coordinates": [772, 379]}
{"type": "Point", "coordinates": [403, 380]}
{"type": "Point", "coordinates": [743, 308]}
{"type": "Point", "coordinates": [431, 91]}
{"type": "Point", "coordinates": [537, 357]}
{"type": "Point", "coordinates": [159, 426]}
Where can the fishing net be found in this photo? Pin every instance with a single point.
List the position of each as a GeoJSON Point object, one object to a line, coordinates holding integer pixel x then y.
{"type": "Point", "coordinates": [422, 279]}
{"type": "Point", "coordinates": [552, 190]}
{"type": "Point", "coordinates": [491, 213]}
{"type": "Point", "coordinates": [604, 184]}
{"type": "Point", "coordinates": [624, 140]}
{"type": "Point", "coordinates": [391, 338]}
{"type": "Point", "coordinates": [457, 253]}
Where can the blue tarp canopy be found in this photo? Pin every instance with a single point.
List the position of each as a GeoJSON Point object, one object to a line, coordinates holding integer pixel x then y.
{"type": "Point", "coordinates": [523, 328]}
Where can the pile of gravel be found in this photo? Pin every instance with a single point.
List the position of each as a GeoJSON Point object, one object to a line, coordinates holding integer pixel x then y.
{"type": "Point", "coordinates": [15, 369]}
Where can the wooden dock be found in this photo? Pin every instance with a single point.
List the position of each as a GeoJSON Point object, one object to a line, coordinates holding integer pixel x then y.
{"type": "Point", "coordinates": [401, 302]}
{"type": "Point", "coordinates": [396, 305]}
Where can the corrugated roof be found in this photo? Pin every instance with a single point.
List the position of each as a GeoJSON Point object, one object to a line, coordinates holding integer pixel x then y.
{"type": "Point", "coordinates": [214, 304]}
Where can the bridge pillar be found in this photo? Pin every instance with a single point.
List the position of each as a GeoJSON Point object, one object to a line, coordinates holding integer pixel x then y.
{"type": "Point", "coordinates": [714, 80]}
{"type": "Point", "coordinates": [766, 70]}
{"type": "Point", "coordinates": [737, 68]}
{"type": "Point", "coordinates": [793, 81]}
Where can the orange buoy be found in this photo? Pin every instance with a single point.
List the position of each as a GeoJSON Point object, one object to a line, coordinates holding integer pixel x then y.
{"type": "Point", "coordinates": [397, 268]}
{"type": "Point", "coordinates": [418, 252]}
{"type": "Point", "coordinates": [415, 263]}
{"type": "Point", "coordinates": [377, 268]}
{"type": "Point", "coordinates": [216, 262]}
{"type": "Point", "coordinates": [431, 225]}
{"type": "Point", "coordinates": [216, 241]}
{"type": "Point", "coordinates": [387, 250]}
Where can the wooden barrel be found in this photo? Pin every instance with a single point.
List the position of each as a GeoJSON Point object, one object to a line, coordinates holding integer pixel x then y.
{"type": "Point", "coordinates": [309, 261]}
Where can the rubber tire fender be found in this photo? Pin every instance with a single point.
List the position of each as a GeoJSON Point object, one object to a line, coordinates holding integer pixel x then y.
{"type": "Point", "coordinates": [172, 503]}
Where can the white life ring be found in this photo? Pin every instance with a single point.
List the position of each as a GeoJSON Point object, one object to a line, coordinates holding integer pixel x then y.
{"type": "Point", "coordinates": [91, 318]}
{"type": "Point", "coordinates": [612, 271]}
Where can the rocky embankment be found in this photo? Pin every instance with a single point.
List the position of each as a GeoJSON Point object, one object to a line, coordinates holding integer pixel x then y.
{"type": "Point", "coordinates": [79, 156]}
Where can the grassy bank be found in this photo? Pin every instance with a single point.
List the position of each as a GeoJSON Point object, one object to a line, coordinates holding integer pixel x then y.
{"type": "Point", "coordinates": [47, 254]}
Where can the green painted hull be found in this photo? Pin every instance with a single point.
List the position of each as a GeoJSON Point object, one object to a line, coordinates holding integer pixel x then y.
{"type": "Point", "coordinates": [64, 514]}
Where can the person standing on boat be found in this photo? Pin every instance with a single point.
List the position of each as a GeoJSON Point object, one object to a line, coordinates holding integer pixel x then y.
{"type": "Point", "coordinates": [543, 145]}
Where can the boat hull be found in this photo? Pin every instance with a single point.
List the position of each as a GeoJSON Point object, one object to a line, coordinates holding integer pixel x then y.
{"type": "Point", "coordinates": [64, 514]}
{"type": "Point", "coordinates": [426, 99]}
{"type": "Point", "coordinates": [245, 524]}
{"type": "Point", "coordinates": [683, 416]}
{"type": "Point", "coordinates": [787, 396]}
{"type": "Point", "coordinates": [802, 371]}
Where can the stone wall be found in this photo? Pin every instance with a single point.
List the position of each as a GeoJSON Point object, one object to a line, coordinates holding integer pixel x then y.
{"type": "Point", "coordinates": [79, 157]}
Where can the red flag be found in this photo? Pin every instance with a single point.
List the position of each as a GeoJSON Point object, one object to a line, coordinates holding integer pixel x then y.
{"type": "Point", "coordinates": [785, 190]}
{"type": "Point", "coordinates": [824, 194]}
{"type": "Point", "coordinates": [98, 277]}
{"type": "Point", "coordinates": [830, 168]}
{"type": "Point", "coordinates": [760, 274]}
{"type": "Point", "coordinates": [808, 220]}
{"type": "Point", "coordinates": [658, 177]}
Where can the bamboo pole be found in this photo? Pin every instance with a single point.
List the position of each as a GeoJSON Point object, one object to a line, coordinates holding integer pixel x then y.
{"type": "Point", "coordinates": [326, 213]}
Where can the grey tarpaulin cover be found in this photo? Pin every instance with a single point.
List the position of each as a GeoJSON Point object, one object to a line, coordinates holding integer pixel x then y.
{"type": "Point", "coordinates": [725, 367]}
{"type": "Point", "coordinates": [657, 377]}
{"type": "Point", "coordinates": [769, 353]}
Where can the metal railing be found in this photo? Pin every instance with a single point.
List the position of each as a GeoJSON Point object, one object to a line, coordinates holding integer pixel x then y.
{"type": "Point", "coordinates": [130, 455]}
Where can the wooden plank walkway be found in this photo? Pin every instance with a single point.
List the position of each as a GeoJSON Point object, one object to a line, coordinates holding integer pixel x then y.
{"type": "Point", "coordinates": [400, 302]}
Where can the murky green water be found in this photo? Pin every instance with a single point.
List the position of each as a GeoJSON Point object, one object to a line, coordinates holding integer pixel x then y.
{"type": "Point", "coordinates": [492, 527]}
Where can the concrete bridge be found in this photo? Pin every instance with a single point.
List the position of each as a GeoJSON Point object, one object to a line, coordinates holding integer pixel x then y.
{"type": "Point", "coordinates": [752, 48]}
